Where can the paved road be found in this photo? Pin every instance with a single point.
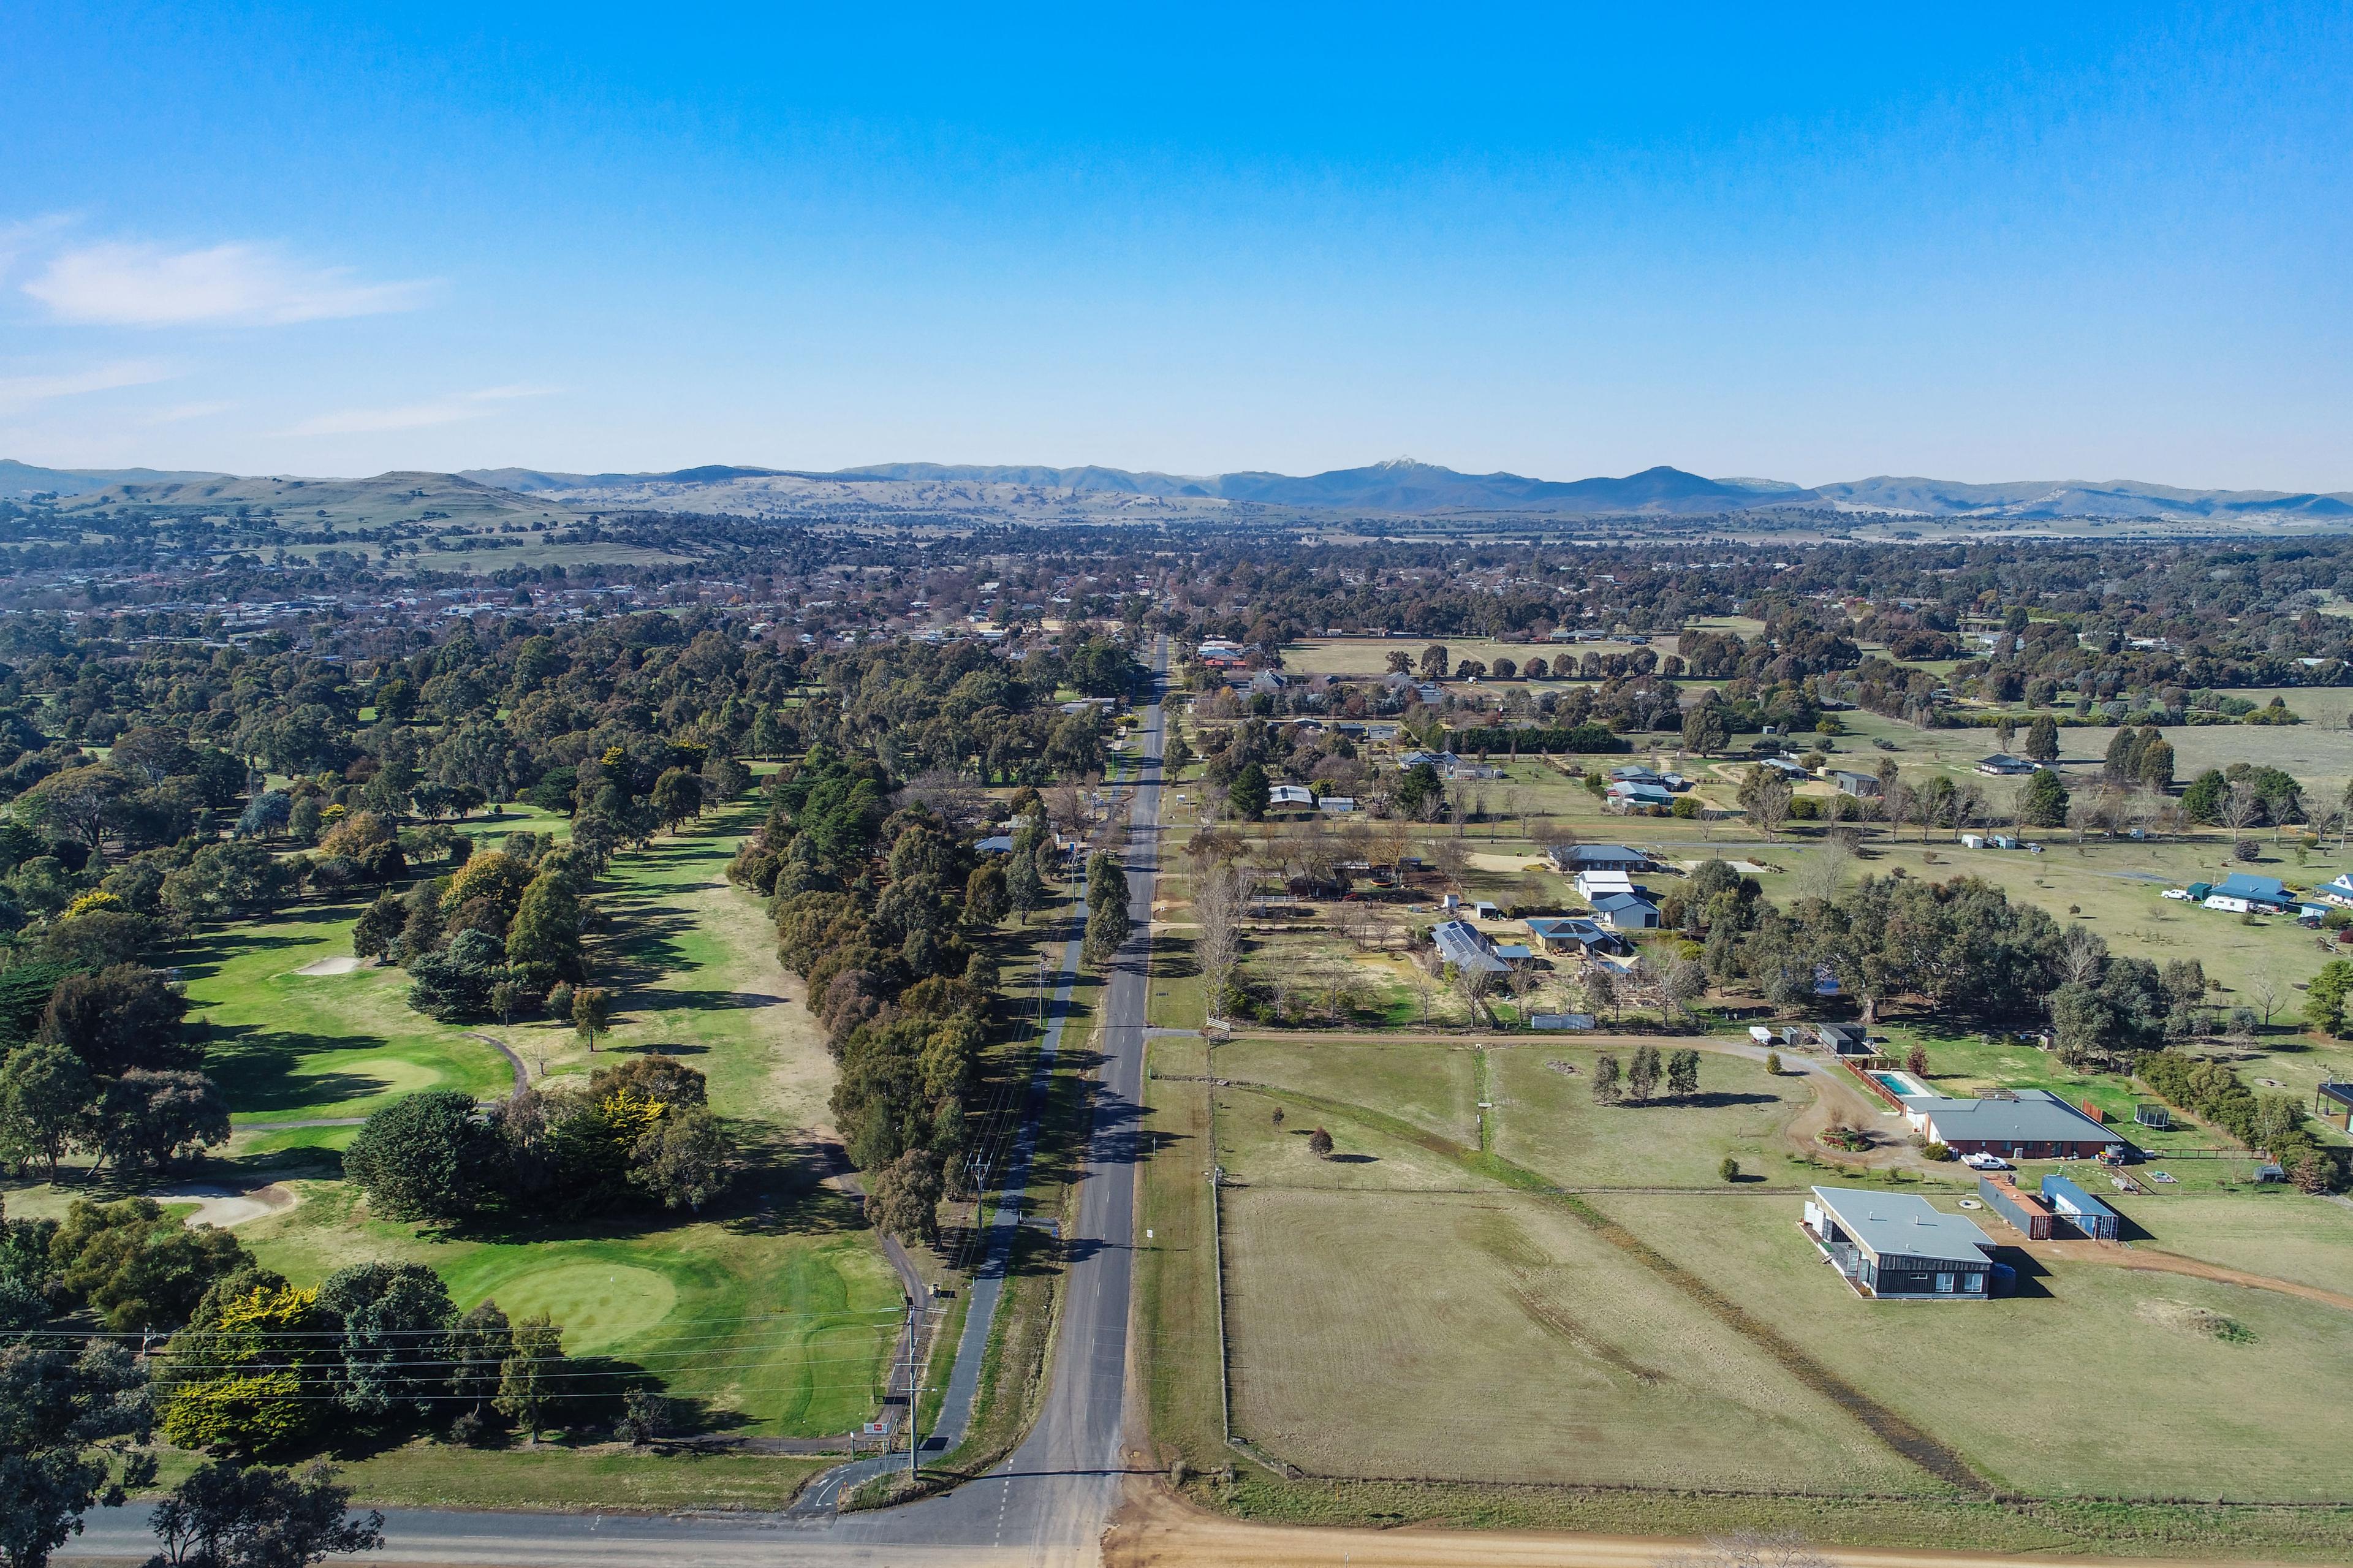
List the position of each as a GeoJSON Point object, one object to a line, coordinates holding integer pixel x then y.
{"type": "Point", "coordinates": [1046, 1504]}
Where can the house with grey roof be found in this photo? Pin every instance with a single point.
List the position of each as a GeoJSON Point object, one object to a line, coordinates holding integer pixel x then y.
{"type": "Point", "coordinates": [1898, 1247]}
{"type": "Point", "coordinates": [2030, 1125]}
{"type": "Point", "coordinates": [1574, 933]}
{"type": "Point", "coordinates": [1571, 858]}
{"type": "Point", "coordinates": [1466, 947]}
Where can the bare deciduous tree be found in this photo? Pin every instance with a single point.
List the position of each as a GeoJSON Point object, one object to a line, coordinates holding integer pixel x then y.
{"type": "Point", "coordinates": [2083, 953]}
{"type": "Point", "coordinates": [1823, 872]}
{"type": "Point", "coordinates": [2264, 989]}
{"type": "Point", "coordinates": [956, 799]}
{"type": "Point", "coordinates": [1220, 895]}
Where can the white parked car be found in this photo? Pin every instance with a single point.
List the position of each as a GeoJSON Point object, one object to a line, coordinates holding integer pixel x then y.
{"type": "Point", "coordinates": [1985, 1161]}
{"type": "Point", "coordinates": [2181, 893]}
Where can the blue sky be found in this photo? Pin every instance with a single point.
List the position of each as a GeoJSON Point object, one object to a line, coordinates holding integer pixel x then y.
{"type": "Point", "coordinates": [2043, 242]}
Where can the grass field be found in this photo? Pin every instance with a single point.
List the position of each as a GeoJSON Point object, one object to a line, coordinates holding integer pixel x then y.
{"type": "Point", "coordinates": [1546, 1120]}
{"type": "Point", "coordinates": [775, 1311]}
{"type": "Point", "coordinates": [286, 1045]}
{"type": "Point", "coordinates": [555, 1477]}
{"type": "Point", "coordinates": [1685, 1335]}
{"type": "Point", "coordinates": [1431, 1086]}
{"type": "Point", "coordinates": [2273, 1232]}
{"type": "Point", "coordinates": [775, 1324]}
{"type": "Point", "coordinates": [2092, 1380]}
{"type": "Point", "coordinates": [1510, 1344]}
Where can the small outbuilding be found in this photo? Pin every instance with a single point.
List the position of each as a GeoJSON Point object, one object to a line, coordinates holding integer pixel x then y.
{"type": "Point", "coordinates": [2026, 1216]}
{"type": "Point", "coordinates": [2073, 1206]}
{"type": "Point", "coordinates": [2333, 1103]}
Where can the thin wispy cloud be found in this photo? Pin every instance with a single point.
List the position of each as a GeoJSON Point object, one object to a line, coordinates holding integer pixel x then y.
{"type": "Point", "coordinates": [28, 234]}
{"type": "Point", "coordinates": [186, 411]}
{"type": "Point", "coordinates": [120, 284]}
{"type": "Point", "coordinates": [447, 410]}
{"type": "Point", "coordinates": [18, 393]}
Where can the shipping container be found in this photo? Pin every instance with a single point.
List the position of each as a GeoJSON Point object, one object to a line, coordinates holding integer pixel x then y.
{"type": "Point", "coordinates": [2025, 1216]}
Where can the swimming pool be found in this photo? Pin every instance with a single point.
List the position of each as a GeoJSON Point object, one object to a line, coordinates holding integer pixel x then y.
{"type": "Point", "coordinates": [1902, 1085]}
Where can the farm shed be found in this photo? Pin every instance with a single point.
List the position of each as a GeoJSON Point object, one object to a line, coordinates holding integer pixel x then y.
{"type": "Point", "coordinates": [1591, 885]}
{"type": "Point", "coordinates": [1626, 912]}
{"type": "Point", "coordinates": [1843, 1039]}
{"type": "Point", "coordinates": [2080, 1209]}
{"type": "Point", "coordinates": [2025, 1216]}
{"type": "Point", "coordinates": [1897, 1247]}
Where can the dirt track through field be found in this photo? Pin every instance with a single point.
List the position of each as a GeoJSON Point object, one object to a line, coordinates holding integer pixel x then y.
{"type": "Point", "coordinates": [1899, 1433]}
{"type": "Point", "coordinates": [2150, 1260]}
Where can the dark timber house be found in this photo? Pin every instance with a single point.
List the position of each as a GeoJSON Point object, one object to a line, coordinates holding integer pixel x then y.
{"type": "Point", "coordinates": [1893, 1246]}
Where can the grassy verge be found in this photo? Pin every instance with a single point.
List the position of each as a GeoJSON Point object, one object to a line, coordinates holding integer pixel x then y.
{"type": "Point", "coordinates": [2164, 1530]}
{"type": "Point", "coordinates": [555, 1477]}
{"type": "Point", "coordinates": [1177, 1363]}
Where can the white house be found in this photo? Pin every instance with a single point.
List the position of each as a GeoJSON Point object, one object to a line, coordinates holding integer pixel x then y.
{"type": "Point", "coordinates": [1593, 884]}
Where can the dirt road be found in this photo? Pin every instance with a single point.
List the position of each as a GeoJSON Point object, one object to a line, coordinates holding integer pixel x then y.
{"type": "Point", "coordinates": [2150, 1260]}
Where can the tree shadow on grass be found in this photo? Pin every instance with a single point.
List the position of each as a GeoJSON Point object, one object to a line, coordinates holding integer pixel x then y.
{"type": "Point", "coordinates": [1172, 958]}
{"type": "Point", "coordinates": [253, 1069]}
{"type": "Point", "coordinates": [662, 999]}
{"type": "Point", "coordinates": [203, 957]}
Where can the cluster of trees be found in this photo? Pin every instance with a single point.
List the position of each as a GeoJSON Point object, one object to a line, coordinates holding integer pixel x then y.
{"type": "Point", "coordinates": [127, 1263]}
{"type": "Point", "coordinates": [2243, 795]}
{"type": "Point", "coordinates": [1961, 947]}
{"type": "Point", "coordinates": [1108, 922]}
{"type": "Point", "coordinates": [869, 903]}
{"type": "Point", "coordinates": [492, 938]}
{"type": "Point", "coordinates": [2275, 1123]}
{"type": "Point", "coordinates": [639, 1132]}
{"type": "Point", "coordinates": [105, 1072]}
{"type": "Point", "coordinates": [263, 1366]}
{"type": "Point", "coordinates": [1638, 1080]}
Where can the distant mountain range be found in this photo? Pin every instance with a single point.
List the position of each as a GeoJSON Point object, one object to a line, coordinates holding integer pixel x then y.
{"type": "Point", "coordinates": [1400, 485]}
{"type": "Point", "coordinates": [1403, 484]}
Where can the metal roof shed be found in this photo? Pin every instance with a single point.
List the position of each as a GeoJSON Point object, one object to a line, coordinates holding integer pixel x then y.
{"type": "Point", "coordinates": [2029, 1219]}
{"type": "Point", "coordinates": [2080, 1209]}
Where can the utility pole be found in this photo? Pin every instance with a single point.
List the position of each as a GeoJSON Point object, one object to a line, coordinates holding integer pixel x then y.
{"type": "Point", "coordinates": [915, 1359]}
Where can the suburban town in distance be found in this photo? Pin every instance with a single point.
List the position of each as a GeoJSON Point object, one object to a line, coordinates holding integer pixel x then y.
{"type": "Point", "coordinates": [626, 940]}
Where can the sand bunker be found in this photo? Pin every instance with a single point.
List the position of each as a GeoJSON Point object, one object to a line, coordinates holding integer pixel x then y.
{"type": "Point", "coordinates": [344, 964]}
